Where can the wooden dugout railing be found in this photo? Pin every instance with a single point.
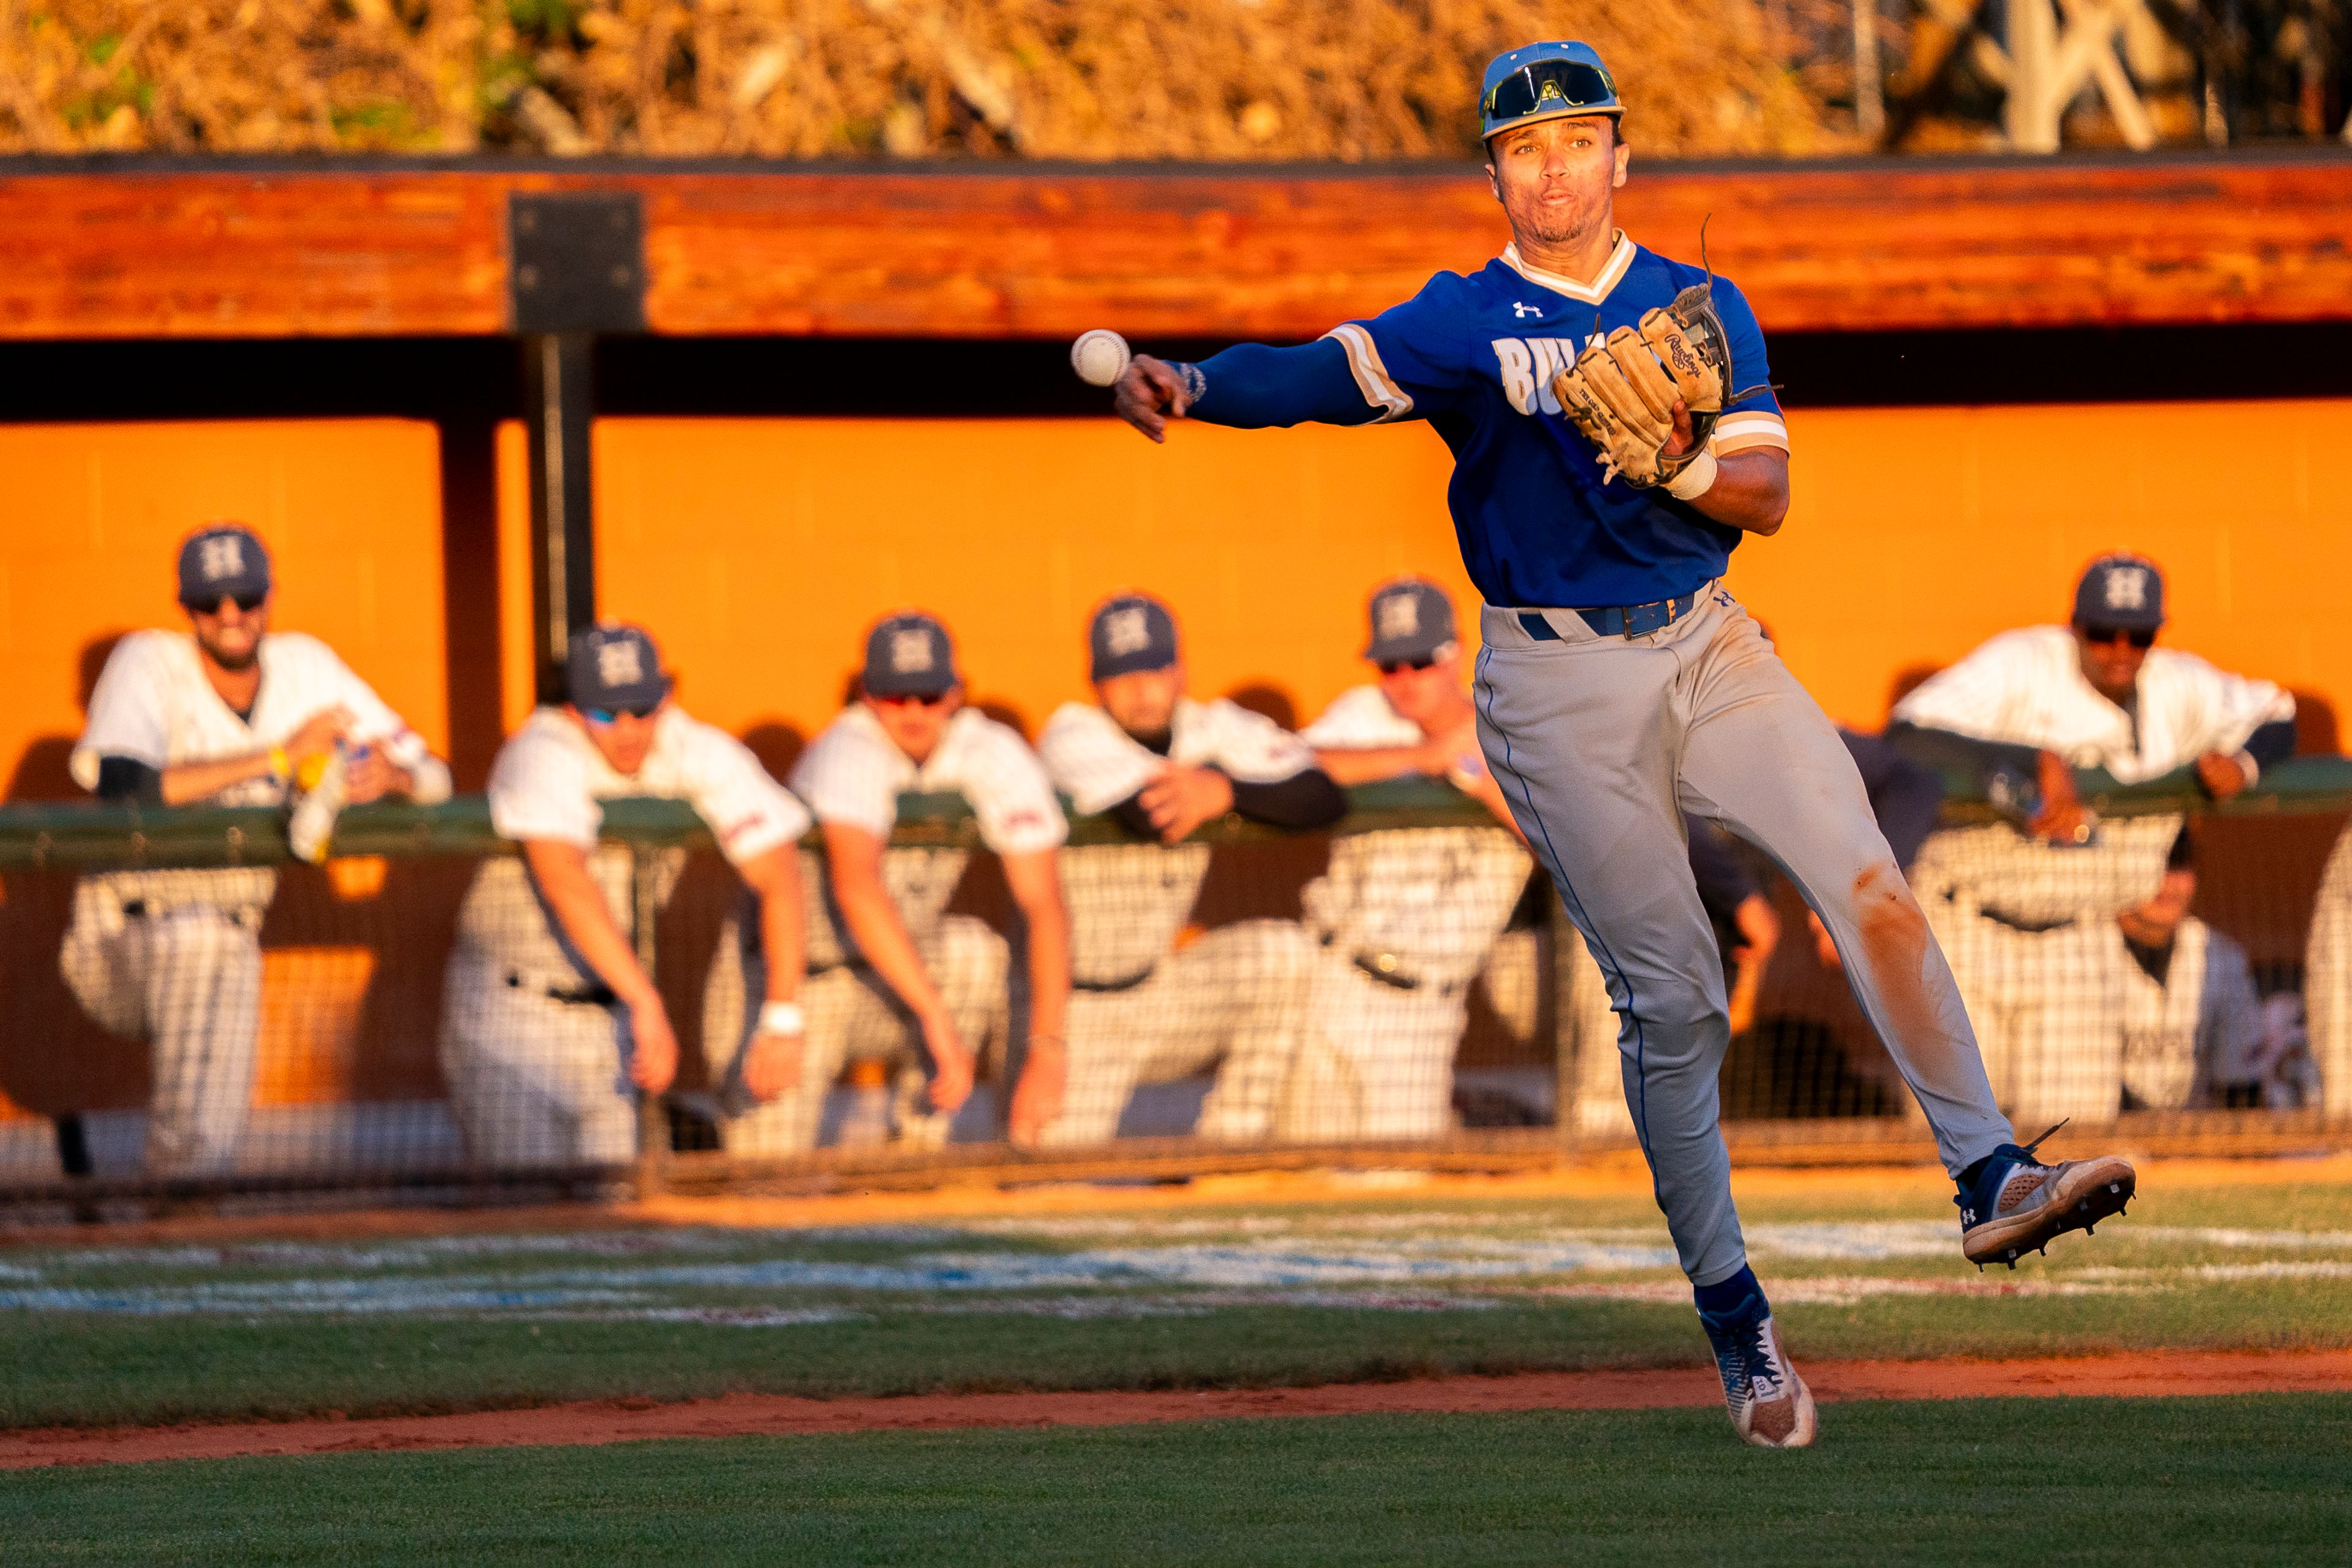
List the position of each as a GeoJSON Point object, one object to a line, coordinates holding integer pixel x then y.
{"type": "Point", "coordinates": [112, 248]}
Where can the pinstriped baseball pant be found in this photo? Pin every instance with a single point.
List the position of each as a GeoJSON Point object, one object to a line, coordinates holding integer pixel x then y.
{"type": "Point", "coordinates": [1601, 743]}
{"type": "Point", "coordinates": [850, 1013]}
{"type": "Point", "coordinates": [534, 1080]}
{"type": "Point", "coordinates": [2327, 981]}
{"type": "Point", "coordinates": [1236, 999]}
{"type": "Point", "coordinates": [190, 979]}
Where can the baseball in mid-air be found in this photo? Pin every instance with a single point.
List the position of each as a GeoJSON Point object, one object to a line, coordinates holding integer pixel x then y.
{"type": "Point", "coordinates": [1099, 356]}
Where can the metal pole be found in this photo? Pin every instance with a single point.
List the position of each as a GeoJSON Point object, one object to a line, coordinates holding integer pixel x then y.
{"type": "Point", "coordinates": [560, 406]}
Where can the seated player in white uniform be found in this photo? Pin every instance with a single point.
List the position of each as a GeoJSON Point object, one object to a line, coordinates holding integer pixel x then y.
{"type": "Point", "coordinates": [1406, 916]}
{"type": "Point", "coordinates": [224, 714]}
{"type": "Point", "coordinates": [548, 1021]}
{"type": "Point", "coordinates": [2193, 1025]}
{"type": "Point", "coordinates": [891, 975]}
{"type": "Point", "coordinates": [2327, 981]}
{"type": "Point", "coordinates": [2034, 919]}
{"type": "Point", "coordinates": [1147, 1005]}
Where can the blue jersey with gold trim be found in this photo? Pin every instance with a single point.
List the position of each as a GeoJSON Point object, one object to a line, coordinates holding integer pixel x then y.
{"type": "Point", "coordinates": [1476, 356]}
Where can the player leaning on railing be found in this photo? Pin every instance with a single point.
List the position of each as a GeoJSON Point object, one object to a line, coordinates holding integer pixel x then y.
{"type": "Point", "coordinates": [893, 977]}
{"type": "Point", "coordinates": [1406, 917]}
{"type": "Point", "coordinates": [1148, 1006]}
{"type": "Point", "coordinates": [225, 713]}
{"type": "Point", "coordinates": [1614, 435]}
{"type": "Point", "coordinates": [548, 1018]}
{"type": "Point", "coordinates": [2056, 933]}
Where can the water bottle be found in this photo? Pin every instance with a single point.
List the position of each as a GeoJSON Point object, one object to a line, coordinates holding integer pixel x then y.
{"type": "Point", "coordinates": [312, 830]}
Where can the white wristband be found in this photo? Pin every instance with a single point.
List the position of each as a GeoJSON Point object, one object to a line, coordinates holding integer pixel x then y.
{"type": "Point", "coordinates": [781, 1018]}
{"type": "Point", "coordinates": [1696, 479]}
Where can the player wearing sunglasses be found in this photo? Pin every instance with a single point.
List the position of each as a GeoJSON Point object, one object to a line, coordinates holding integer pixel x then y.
{"type": "Point", "coordinates": [551, 1028]}
{"type": "Point", "coordinates": [893, 977]}
{"type": "Point", "coordinates": [1156, 998]}
{"type": "Point", "coordinates": [1406, 918]}
{"type": "Point", "coordinates": [228, 712]}
{"type": "Point", "coordinates": [2046, 928]}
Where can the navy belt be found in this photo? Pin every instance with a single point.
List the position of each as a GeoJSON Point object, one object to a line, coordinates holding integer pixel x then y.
{"type": "Point", "coordinates": [1618, 620]}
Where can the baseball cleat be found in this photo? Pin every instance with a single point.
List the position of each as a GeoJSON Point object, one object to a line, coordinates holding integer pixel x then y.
{"type": "Point", "coordinates": [2019, 1204]}
{"type": "Point", "coordinates": [1770, 1406]}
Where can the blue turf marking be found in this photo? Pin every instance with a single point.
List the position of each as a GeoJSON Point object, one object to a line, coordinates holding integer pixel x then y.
{"type": "Point", "coordinates": [1568, 892]}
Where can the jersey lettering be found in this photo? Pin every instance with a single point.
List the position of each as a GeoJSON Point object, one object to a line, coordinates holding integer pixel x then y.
{"type": "Point", "coordinates": [1552, 356]}
{"type": "Point", "coordinates": [1529, 365]}
{"type": "Point", "coordinates": [1518, 373]}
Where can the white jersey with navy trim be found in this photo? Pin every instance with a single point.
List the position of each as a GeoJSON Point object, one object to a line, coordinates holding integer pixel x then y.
{"type": "Point", "coordinates": [1431, 899]}
{"type": "Point", "coordinates": [853, 773]}
{"type": "Point", "coordinates": [174, 955]}
{"type": "Point", "coordinates": [1098, 765]}
{"type": "Point", "coordinates": [2026, 688]}
{"type": "Point", "coordinates": [1361, 719]}
{"type": "Point", "coordinates": [550, 777]}
{"type": "Point", "coordinates": [154, 704]}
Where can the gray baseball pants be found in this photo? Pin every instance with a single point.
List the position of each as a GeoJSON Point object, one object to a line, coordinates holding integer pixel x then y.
{"type": "Point", "coordinates": [1601, 743]}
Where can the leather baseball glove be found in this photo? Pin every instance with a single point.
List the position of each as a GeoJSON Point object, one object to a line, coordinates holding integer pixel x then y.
{"type": "Point", "coordinates": [1622, 392]}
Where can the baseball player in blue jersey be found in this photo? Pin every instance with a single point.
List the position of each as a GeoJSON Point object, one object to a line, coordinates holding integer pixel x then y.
{"type": "Point", "coordinates": [1614, 435]}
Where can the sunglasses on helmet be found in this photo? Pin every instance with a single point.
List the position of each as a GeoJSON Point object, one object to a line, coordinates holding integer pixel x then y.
{"type": "Point", "coordinates": [1567, 83]}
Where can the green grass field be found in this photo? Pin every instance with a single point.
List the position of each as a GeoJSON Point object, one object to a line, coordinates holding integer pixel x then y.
{"type": "Point", "coordinates": [1996, 1481]}
{"type": "Point", "coordinates": [1370, 1288]}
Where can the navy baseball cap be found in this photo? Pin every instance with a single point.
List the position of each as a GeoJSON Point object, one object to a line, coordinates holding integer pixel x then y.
{"type": "Point", "coordinates": [222, 561]}
{"type": "Point", "coordinates": [1129, 633]}
{"type": "Point", "coordinates": [909, 655]}
{"type": "Point", "coordinates": [1412, 620]}
{"type": "Point", "coordinates": [1544, 81]}
{"type": "Point", "coordinates": [2121, 590]}
{"type": "Point", "coordinates": [614, 666]}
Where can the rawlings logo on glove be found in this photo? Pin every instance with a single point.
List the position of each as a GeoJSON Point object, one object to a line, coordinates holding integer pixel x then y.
{"type": "Point", "coordinates": [1622, 392]}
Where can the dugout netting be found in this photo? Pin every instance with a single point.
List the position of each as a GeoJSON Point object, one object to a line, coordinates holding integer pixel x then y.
{"type": "Point", "coordinates": [190, 1015]}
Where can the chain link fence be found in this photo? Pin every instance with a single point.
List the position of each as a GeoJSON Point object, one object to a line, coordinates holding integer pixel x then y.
{"type": "Point", "coordinates": [190, 1015]}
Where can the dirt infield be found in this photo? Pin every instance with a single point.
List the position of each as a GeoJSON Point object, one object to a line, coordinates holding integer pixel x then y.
{"type": "Point", "coordinates": [624, 1421]}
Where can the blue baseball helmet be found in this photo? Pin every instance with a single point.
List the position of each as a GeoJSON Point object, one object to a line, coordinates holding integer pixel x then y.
{"type": "Point", "coordinates": [1544, 81]}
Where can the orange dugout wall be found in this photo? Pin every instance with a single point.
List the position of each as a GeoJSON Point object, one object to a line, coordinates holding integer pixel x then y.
{"type": "Point", "coordinates": [759, 549]}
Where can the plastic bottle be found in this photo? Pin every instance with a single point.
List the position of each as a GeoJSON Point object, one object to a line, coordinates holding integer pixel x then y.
{"type": "Point", "coordinates": [312, 830]}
